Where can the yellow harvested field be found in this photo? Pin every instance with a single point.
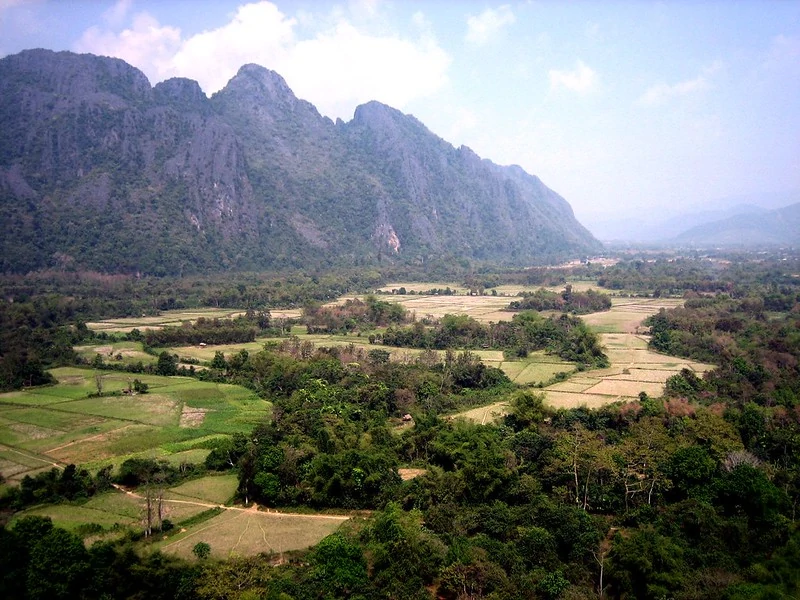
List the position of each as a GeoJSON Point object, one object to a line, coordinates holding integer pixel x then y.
{"type": "Point", "coordinates": [168, 317]}
{"type": "Point", "coordinates": [423, 287]}
{"type": "Point", "coordinates": [626, 314]}
{"type": "Point", "coordinates": [480, 308]}
{"type": "Point", "coordinates": [634, 368]}
{"type": "Point", "coordinates": [249, 532]}
{"type": "Point", "coordinates": [631, 389]}
{"type": "Point", "coordinates": [573, 400]}
{"type": "Point", "coordinates": [573, 386]}
{"type": "Point", "coordinates": [651, 375]}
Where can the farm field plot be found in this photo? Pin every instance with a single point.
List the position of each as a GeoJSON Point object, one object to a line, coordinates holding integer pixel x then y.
{"type": "Point", "coordinates": [115, 507]}
{"type": "Point", "coordinates": [247, 532]}
{"type": "Point", "coordinates": [634, 368]}
{"type": "Point", "coordinates": [217, 489]}
{"type": "Point", "coordinates": [176, 317]}
{"type": "Point", "coordinates": [167, 317]}
{"type": "Point", "coordinates": [480, 308]}
{"type": "Point", "coordinates": [71, 516]}
{"type": "Point", "coordinates": [574, 400]}
{"type": "Point", "coordinates": [234, 531]}
{"type": "Point", "coordinates": [61, 424]}
{"type": "Point", "coordinates": [626, 314]}
{"type": "Point", "coordinates": [206, 353]}
{"type": "Point", "coordinates": [116, 352]}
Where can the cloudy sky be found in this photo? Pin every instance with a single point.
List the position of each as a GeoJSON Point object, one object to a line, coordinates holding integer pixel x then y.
{"type": "Point", "coordinates": [621, 107]}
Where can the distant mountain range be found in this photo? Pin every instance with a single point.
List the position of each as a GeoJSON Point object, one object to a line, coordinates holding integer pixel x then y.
{"type": "Point", "coordinates": [101, 170]}
{"type": "Point", "coordinates": [763, 227]}
{"type": "Point", "coordinates": [660, 226]}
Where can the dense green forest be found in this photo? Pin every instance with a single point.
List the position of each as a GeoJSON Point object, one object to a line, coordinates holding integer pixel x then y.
{"type": "Point", "coordinates": [567, 301]}
{"type": "Point", "coordinates": [692, 495]}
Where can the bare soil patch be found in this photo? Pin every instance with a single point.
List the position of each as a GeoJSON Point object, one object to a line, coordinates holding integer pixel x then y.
{"type": "Point", "coordinates": [406, 474]}
{"type": "Point", "coordinates": [192, 417]}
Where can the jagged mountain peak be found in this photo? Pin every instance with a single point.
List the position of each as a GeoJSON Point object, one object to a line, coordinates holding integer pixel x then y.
{"type": "Point", "coordinates": [374, 111]}
{"type": "Point", "coordinates": [182, 92]}
{"type": "Point", "coordinates": [376, 115]}
{"type": "Point", "coordinates": [260, 94]}
{"type": "Point", "coordinates": [68, 74]}
{"type": "Point", "coordinates": [267, 82]}
{"type": "Point", "coordinates": [93, 160]}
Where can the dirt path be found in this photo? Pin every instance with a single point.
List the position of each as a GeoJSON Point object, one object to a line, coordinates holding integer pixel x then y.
{"type": "Point", "coordinates": [28, 455]}
{"type": "Point", "coordinates": [254, 508]}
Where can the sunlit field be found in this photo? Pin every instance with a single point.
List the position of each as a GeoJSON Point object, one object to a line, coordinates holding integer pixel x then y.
{"type": "Point", "coordinates": [61, 424]}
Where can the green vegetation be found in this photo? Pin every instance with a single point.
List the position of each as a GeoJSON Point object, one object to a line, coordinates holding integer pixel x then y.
{"type": "Point", "coordinates": [579, 303]}
{"type": "Point", "coordinates": [69, 423]}
{"type": "Point", "coordinates": [564, 336]}
{"type": "Point", "coordinates": [685, 489]}
{"type": "Point", "coordinates": [353, 315]}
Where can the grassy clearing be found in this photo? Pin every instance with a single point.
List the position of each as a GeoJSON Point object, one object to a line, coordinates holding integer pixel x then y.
{"type": "Point", "coordinates": [178, 511]}
{"type": "Point", "coordinates": [217, 489]}
{"type": "Point", "coordinates": [117, 503]}
{"type": "Point", "coordinates": [91, 428]}
{"type": "Point", "coordinates": [206, 353]}
{"type": "Point", "coordinates": [115, 507]}
{"type": "Point", "coordinates": [15, 464]}
{"type": "Point", "coordinates": [151, 409]}
{"type": "Point", "coordinates": [486, 414]}
{"type": "Point", "coordinates": [71, 516]}
{"type": "Point", "coordinates": [195, 457]}
{"type": "Point", "coordinates": [249, 532]}
{"type": "Point", "coordinates": [542, 372]}
{"type": "Point", "coordinates": [117, 352]}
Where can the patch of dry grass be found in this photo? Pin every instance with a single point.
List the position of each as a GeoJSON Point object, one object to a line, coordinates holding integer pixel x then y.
{"type": "Point", "coordinates": [249, 532]}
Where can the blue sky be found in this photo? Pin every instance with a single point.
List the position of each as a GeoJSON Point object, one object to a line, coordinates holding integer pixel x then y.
{"type": "Point", "coordinates": [623, 108]}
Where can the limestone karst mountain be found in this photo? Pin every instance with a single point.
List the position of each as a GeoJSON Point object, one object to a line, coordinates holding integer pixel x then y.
{"type": "Point", "coordinates": [101, 170]}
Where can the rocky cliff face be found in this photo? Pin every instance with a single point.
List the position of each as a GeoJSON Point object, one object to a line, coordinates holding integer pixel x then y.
{"type": "Point", "coordinates": [100, 170]}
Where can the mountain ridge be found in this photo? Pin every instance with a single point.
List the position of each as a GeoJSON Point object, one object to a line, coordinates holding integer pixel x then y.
{"type": "Point", "coordinates": [101, 170]}
{"type": "Point", "coordinates": [766, 227]}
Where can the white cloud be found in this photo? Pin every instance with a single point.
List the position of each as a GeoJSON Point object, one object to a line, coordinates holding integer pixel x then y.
{"type": "Point", "coordinates": [115, 15]}
{"type": "Point", "coordinates": [481, 28]}
{"type": "Point", "coordinates": [464, 120]}
{"type": "Point", "coordinates": [582, 79]}
{"type": "Point", "coordinates": [662, 92]}
{"type": "Point", "coordinates": [364, 8]}
{"type": "Point", "coordinates": [258, 33]}
{"type": "Point", "coordinates": [335, 68]}
{"type": "Point", "coordinates": [345, 67]}
{"type": "Point", "coordinates": [146, 45]}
